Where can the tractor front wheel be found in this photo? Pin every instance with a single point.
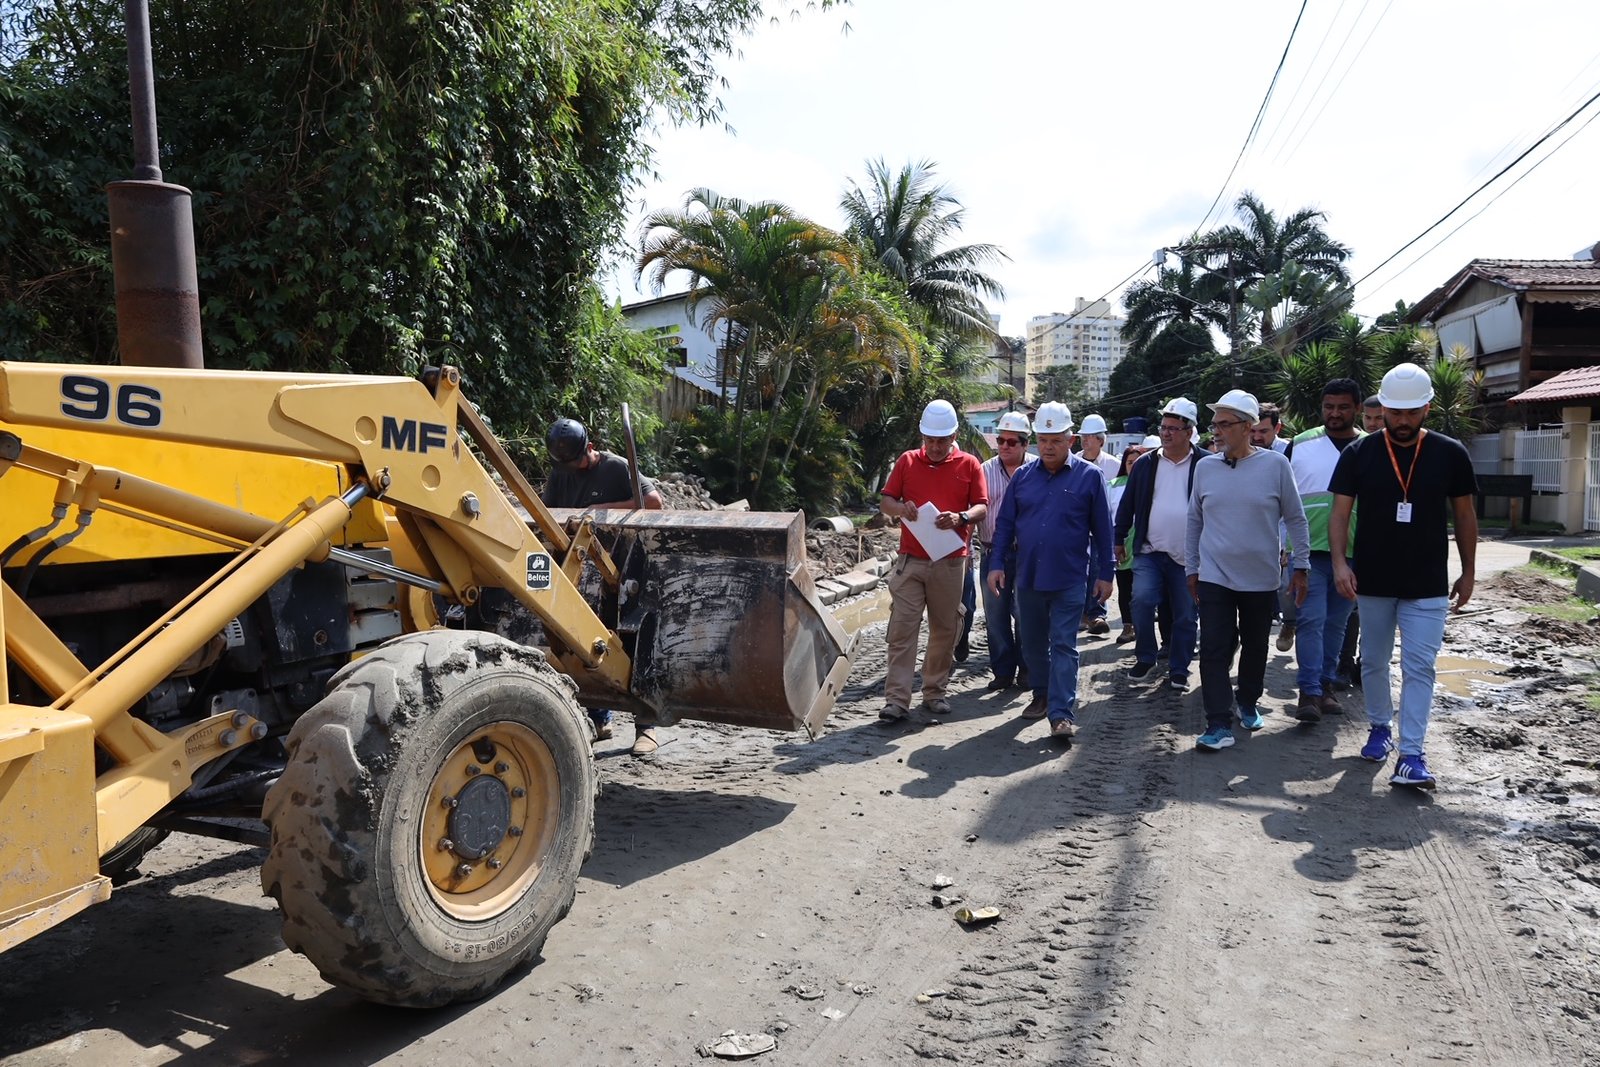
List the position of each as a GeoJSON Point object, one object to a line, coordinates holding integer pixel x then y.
{"type": "Point", "coordinates": [430, 825]}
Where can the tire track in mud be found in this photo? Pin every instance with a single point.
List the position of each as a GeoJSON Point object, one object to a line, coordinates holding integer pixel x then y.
{"type": "Point", "coordinates": [1046, 984]}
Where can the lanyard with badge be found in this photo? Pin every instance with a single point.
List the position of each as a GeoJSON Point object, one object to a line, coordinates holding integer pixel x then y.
{"type": "Point", "coordinates": [1402, 510]}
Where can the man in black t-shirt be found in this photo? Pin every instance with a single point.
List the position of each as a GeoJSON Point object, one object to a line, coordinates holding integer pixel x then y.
{"type": "Point", "coordinates": [1409, 483]}
{"type": "Point", "coordinates": [582, 476]}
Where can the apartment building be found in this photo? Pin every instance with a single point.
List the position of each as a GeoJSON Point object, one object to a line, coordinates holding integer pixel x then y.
{"type": "Point", "coordinates": [1090, 338]}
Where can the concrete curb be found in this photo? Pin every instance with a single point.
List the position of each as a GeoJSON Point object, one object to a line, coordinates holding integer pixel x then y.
{"type": "Point", "coordinates": [1588, 575]}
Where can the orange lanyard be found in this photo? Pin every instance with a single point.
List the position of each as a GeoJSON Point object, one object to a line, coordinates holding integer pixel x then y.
{"type": "Point", "coordinates": [1405, 483]}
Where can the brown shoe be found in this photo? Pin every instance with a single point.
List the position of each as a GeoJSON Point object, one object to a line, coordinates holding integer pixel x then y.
{"type": "Point", "coordinates": [1330, 704]}
{"type": "Point", "coordinates": [1309, 707]}
{"type": "Point", "coordinates": [644, 743]}
{"type": "Point", "coordinates": [1126, 635]}
{"type": "Point", "coordinates": [1036, 709]}
{"type": "Point", "coordinates": [1099, 628]}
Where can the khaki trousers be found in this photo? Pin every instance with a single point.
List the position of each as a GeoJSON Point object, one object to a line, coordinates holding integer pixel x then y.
{"type": "Point", "coordinates": [916, 585]}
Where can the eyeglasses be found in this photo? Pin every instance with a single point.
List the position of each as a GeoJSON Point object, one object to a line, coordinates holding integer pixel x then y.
{"type": "Point", "coordinates": [1215, 426]}
{"type": "Point", "coordinates": [1173, 429]}
{"type": "Point", "coordinates": [1013, 442]}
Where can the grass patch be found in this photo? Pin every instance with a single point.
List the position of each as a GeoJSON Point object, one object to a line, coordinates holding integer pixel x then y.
{"type": "Point", "coordinates": [1572, 609]}
{"type": "Point", "coordinates": [1545, 569]}
{"type": "Point", "coordinates": [1585, 554]}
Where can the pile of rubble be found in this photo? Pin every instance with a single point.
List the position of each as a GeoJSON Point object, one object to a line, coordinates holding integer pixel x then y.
{"type": "Point", "coordinates": [685, 492]}
{"type": "Point", "coordinates": [829, 553]}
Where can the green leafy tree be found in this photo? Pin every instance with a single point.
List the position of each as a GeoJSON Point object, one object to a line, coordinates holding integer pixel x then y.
{"type": "Point", "coordinates": [1185, 296]}
{"type": "Point", "coordinates": [1064, 383]}
{"type": "Point", "coordinates": [1286, 262]}
{"type": "Point", "coordinates": [377, 186]}
{"type": "Point", "coordinates": [762, 269]}
{"type": "Point", "coordinates": [905, 220]}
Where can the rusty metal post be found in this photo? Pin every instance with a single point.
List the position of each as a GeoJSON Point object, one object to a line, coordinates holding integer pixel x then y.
{"type": "Point", "coordinates": [152, 233]}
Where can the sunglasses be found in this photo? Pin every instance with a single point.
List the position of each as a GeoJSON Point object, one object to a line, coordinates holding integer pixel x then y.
{"type": "Point", "coordinates": [1010, 441]}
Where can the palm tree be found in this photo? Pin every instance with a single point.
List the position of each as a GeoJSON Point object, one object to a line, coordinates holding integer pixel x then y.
{"type": "Point", "coordinates": [1456, 384]}
{"type": "Point", "coordinates": [903, 220]}
{"type": "Point", "coordinates": [1174, 296]}
{"type": "Point", "coordinates": [752, 263]}
{"type": "Point", "coordinates": [1281, 253]}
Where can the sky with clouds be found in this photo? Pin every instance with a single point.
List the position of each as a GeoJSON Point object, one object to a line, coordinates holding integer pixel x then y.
{"type": "Point", "coordinates": [1082, 137]}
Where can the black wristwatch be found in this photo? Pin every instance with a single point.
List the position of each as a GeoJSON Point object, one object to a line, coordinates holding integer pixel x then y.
{"type": "Point", "coordinates": [961, 517]}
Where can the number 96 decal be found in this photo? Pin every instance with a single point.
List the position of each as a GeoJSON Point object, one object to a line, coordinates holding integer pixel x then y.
{"type": "Point", "coordinates": [93, 400]}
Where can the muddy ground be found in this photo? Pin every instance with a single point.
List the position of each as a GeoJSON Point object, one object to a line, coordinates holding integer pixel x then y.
{"type": "Point", "coordinates": [1274, 903]}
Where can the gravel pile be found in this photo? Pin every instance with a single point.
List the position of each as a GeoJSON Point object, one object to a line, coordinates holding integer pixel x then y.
{"type": "Point", "coordinates": [834, 553]}
{"type": "Point", "coordinates": [685, 492]}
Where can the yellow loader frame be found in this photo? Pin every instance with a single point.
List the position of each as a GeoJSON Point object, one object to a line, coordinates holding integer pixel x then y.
{"type": "Point", "coordinates": [453, 534]}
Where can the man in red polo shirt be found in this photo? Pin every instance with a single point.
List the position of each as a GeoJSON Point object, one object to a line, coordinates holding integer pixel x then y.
{"type": "Point", "coordinates": [938, 473]}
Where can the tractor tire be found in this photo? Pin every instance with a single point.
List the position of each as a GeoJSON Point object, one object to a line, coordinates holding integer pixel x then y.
{"type": "Point", "coordinates": [429, 827]}
{"type": "Point", "coordinates": [121, 864]}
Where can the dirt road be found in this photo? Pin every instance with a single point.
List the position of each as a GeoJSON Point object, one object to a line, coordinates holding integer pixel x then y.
{"type": "Point", "coordinates": [1274, 903]}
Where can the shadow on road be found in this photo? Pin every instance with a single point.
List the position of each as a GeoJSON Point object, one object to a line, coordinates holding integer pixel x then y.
{"type": "Point", "coordinates": [158, 964]}
{"type": "Point", "coordinates": [641, 832]}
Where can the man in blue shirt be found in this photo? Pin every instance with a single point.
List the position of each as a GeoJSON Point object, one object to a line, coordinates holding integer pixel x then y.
{"type": "Point", "coordinates": [1055, 527]}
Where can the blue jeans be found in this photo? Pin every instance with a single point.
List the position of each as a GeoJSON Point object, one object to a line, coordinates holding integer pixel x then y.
{"type": "Point", "coordinates": [1157, 577]}
{"type": "Point", "coordinates": [1050, 645]}
{"type": "Point", "coordinates": [1421, 625]}
{"type": "Point", "coordinates": [1002, 621]}
{"type": "Point", "coordinates": [1319, 631]}
{"type": "Point", "coordinates": [1092, 608]}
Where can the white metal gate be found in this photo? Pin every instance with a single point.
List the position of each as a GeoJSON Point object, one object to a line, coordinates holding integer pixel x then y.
{"type": "Point", "coordinates": [1538, 452]}
{"type": "Point", "coordinates": [1591, 482]}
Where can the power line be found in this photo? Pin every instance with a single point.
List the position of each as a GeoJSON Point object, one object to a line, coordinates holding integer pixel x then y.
{"type": "Point", "coordinates": [1348, 289]}
{"type": "Point", "coordinates": [1273, 139]}
{"type": "Point", "coordinates": [1501, 193]}
{"type": "Point", "coordinates": [1256, 125]}
{"type": "Point", "coordinates": [1340, 83]}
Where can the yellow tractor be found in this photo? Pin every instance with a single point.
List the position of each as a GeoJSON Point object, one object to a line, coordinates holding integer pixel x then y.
{"type": "Point", "coordinates": [300, 610]}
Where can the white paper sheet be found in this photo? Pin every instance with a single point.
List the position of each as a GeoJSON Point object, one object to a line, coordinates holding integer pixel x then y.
{"type": "Point", "coordinates": [935, 542]}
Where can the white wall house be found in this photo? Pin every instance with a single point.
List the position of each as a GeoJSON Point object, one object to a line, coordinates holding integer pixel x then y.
{"type": "Point", "coordinates": [696, 353]}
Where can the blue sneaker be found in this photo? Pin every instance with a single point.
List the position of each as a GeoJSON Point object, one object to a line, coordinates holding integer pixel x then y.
{"type": "Point", "coordinates": [1412, 771]}
{"type": "Point", "coordinates": [1250, 718]}
{"type": "Point", "coordinates": [1380, 742]}
{"type": "Point", "coordinates": [1216, 739]}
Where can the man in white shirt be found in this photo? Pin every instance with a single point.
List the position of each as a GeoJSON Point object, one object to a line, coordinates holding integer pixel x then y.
{"type": "Point", "coordinates": [1155, 507]}
{"type": "Point", "coordinates": [1092, 436]}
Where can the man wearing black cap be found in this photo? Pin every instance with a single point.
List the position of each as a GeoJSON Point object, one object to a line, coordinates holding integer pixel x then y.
{"type": "Point", "coordinates": [585, 477]}
{"type": "Point", "coordinates": [582, 476]}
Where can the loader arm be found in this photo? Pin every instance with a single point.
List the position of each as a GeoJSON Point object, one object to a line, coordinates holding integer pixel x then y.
{"type": "Point", "coordinates": [392, 432]}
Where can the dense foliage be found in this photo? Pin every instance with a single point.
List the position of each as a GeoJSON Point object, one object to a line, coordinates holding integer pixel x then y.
{"type": "Point", "coordinates": [377, 186]}
{"type": "Point", "coordinates": [830, 332]}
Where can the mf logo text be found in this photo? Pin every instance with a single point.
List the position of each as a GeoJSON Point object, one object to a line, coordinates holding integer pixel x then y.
{"type": "Point", "coordinates": [409, 435]}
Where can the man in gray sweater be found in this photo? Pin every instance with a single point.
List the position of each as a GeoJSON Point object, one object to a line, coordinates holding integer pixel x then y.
{"type": "Point", "coordinates": [1241, 494]}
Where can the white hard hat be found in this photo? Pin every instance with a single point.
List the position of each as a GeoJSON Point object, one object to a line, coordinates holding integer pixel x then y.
{"type": "Point", "coordinates": [1092, 424]}
{"type": "Point", "coordinates": [1014, 421]}
{"type": "Point", "coordinates": [938, 419]}
{"type": "Point", "coordinates": [1407, 386]}
{"type": "Point", "coordinates": [1182, 407]}
{"type": "Point", "coordinates": [1151, 441]}
{"type": "Point", "coordinates": [1053, 417]}
{"type": "Point", "coordinates": [1242, 402]}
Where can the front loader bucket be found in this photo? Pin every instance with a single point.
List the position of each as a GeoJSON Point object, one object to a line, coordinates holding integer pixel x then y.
{"type": "Point", "coordinates": [722, 615]}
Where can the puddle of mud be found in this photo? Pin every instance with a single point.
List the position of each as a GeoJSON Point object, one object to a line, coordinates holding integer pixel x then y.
{"type": "Point", "coordinates": [864, 611]}
{"type": "Point", "coordinates": [1456, 674]}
